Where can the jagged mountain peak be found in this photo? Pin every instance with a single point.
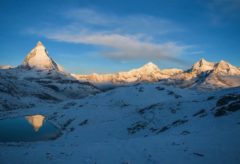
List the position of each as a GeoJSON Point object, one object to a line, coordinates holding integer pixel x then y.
{"type": "Point", "coordinates": [223, 63]}
{"type": "Point", "coordinates": [203, 61]}
{"type": "Point", "coordinates": [147, 69]}
{"type": "Point", "coordinates": [203, 65]}
{"type": "Point", "coordinates": [39, 43]}
{"type": "Point", "coordinates": [39, 59]}
{"type": "Point", "coordinates": [149, 66]}
{"type": "Point", "coordinates": [227, 68]}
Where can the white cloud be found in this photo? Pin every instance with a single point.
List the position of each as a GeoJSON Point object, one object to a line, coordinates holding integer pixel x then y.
{"type": "Point", "coordinates": [124, 47]}
{"type": "Point", "coordinates": [123, 38]}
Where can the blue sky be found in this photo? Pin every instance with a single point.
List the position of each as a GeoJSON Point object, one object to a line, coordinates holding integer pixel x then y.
{"type": "Point", "coordinates": [87, 36]}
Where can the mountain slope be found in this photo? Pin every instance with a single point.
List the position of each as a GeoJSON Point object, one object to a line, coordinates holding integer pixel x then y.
{"type": "Point", "coordinates": [202, 66]}
{"type": "Point", "coordinates": [207, 75]}
{"type": "Point", "coordinates": [147, 123]}
{"type": "Point", "coordinates": [224, 75]}
{"type": "Point", "coordinates": [147, 73]}
{"type": "Point", "coordinates": [39, 79]}
{"type": "Point", "coordinates": [39, 59]}
{"type": "Point", "coordinates": [6, 67]}
{"type": "Point", "coordinates": [202, 75]}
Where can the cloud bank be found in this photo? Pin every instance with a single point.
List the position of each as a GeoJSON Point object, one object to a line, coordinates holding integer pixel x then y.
{"type": "Point", "coordinates": [134, 37]}
{"type": "Point", "coordinates": [124, 47]}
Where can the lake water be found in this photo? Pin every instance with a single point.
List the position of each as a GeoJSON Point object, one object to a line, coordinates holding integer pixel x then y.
{"type": "Point", "coordinates": [27, 129]}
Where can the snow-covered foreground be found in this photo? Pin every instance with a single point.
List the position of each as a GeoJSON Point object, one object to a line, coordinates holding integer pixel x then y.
{"type": "Point", "coordinates": [144, 123]}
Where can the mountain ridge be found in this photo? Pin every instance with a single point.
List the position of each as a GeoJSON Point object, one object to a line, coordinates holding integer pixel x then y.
{"type": "Point", "coordinates": [202, 74]}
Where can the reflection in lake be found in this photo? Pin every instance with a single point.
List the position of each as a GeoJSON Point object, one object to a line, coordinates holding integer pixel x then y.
{"type": "Point", "coordinates": [36, 121]}
{"type": "Point", "coordinates": [28, 128]}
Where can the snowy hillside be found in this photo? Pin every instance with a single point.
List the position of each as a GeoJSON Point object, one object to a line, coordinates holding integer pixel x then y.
{"type": "Point", "coordinates": [152, 123]}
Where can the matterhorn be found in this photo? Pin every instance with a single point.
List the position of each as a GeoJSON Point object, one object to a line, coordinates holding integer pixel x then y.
{"type": "Point", "coordinates": [39, 59]}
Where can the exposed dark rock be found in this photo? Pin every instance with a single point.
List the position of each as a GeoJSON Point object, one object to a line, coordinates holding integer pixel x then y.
{"type": "Point", "coordinates": [83, 122]}
{"type": "Point", "coordinates": [198, 154]}
{"type": "Point", "coordinates": [233, 107]}
{"type": "Point", "coordinates": [143, 110]}
{"type": "Point", "coordinates": [163, 129]}
{"type": "Point", "coordinates": [185, 132]}
{"type": "Point", "coordinates": [200, 113]}
{"type": "Point", "coordinates": [177, 96]}
{"type": "Point", "coordinates": [137, 127]}
{"type": "Point", "coordinates": [71, 129]}
{"type": "Point", "coordinates": [68, 105]}
{"type": "Point", "coordinates": [40, 81]}
{"type": "Point", "coordinates": [171, 93]}
{"type": "Point", "coordinates": [141, 89]}
{"type": "Point", "coordinates": [45, 96]}
{"type": "Point", "coordinates": [153, 129]}
{"type": "Point", "coordinates": [7, 105]}
{"type": "Point", "coordinates": [160, 88]}
{"type": "Point", "coordinates": [67, 123]}
{"type": "Point", "coordinates": [179, 122]}
{"type": "Point", "coordinates": [227, 98]}
{"type": "Point", "coordinates": [220, 112]}
{"type": "Point", "coordinates": [53, 87]}
{"type": "Point", "coordinates": [227, 104]}
{"type": "Point", "coordinates": [210, 98]}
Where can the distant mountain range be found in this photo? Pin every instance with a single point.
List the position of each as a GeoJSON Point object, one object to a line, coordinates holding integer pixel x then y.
{"type": "Point", "coordinates": [202, 75]}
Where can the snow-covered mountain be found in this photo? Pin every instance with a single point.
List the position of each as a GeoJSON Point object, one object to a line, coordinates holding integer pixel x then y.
{"type": "Point", "coordinates": [208, 75]}
{"type": "Point", "coordinates": [224, 75]}
{"type": "Point", "coordinates": [6, 67]}
{"type": "Point", "coordinates": [202, 66]}
{"type": "Point", "coordinates": [147, 73]}
{"type": "Point", "coordinates": [202, 74]}
{"type": "Point", "coordinates": [39, 78]}
{"type": "Point", "coordinates": [39, 59]}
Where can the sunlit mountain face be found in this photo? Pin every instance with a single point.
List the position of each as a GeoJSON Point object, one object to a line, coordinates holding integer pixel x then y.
{"type": "Point", "coordinates": [119, 81]}
{"type": "Point", "coordinates": [201, 75]}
